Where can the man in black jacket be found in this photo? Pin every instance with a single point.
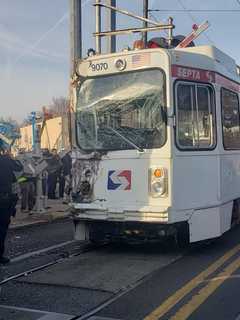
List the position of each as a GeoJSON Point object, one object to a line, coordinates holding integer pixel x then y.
{"type": "Point", "coordinates": [8, 199]}
{"type": "Point", "coordinates": [64, 180]}
{"type": "Point", "coordinates": [54, 169]}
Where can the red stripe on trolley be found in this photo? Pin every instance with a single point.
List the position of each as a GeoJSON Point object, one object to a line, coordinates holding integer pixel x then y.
{"type": "Point", "coordinates": [201, 75]}
{"type": "Point", "coordinates": [188, 73]}
{"type": "Point", "coordinates": [227, 83]}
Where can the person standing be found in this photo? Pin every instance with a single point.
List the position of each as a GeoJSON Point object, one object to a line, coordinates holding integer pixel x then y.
{"type": "Point", "coordinates": [28, 197]}
{"type": "Point", "coordinates": [8, 199]}
{"type": "Point", "coordinates": [54, 168]}
{"type": "Point", "coordinates": [64, 181]}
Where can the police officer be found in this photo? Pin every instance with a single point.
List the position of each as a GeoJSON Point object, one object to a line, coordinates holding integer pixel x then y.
{"type": "Point", "coordinates": [8, 199]}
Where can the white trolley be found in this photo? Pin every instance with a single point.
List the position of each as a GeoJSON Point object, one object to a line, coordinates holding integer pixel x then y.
{"type": "Point", "coordinates": [157, 144]}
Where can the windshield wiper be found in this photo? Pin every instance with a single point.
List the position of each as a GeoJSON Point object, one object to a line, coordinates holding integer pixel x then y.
{"type": "Point", "coordinates": [126, 139]}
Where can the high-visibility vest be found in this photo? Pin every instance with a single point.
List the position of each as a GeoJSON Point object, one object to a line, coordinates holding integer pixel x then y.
{"type": "Point", "coordinates": [21, 179]}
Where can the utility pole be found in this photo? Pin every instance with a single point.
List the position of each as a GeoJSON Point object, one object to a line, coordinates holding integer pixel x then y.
{"type": "Point", "coordinates": [111, 26]}
{"type": "Point", "coordinates": [76, 51]}
{"type": "Point", "coordinates": [98, 27]}
{"type": "Point", "coordinates": [76, 31]}
{"type": "Point", "coordinates": [145, 24]}
{"type": "Point", "coordinates": [33, 121]}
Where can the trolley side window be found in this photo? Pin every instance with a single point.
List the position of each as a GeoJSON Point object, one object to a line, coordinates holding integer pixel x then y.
{"type": "Point", "coordinates": [230, 119]}
{"type": "Point", "coordinates": [195, 116]}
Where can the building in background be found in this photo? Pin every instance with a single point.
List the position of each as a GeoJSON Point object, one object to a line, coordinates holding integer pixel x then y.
{"type": "Point", "coordinates": [55, 134]}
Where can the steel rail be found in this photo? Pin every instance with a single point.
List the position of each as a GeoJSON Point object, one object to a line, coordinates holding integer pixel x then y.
{"type": "Point", "coordinates": [119, 294]}
{"type": "Point", "coordinates": [87, 248]}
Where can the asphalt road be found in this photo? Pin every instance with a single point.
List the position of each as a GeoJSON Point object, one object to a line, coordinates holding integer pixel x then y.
{"type": "Point", "coordinates": [36, 237]}
{"type": "Point", "coordinates": [203, 284]}
{"type": "Point", "coordinates": [125, 283]}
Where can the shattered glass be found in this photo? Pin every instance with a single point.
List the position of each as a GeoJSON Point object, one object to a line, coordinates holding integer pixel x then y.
{"type": "Point", "coordinates": [122, 111]}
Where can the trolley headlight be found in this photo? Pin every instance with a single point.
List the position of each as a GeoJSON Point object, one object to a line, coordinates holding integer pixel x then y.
{"type": "Point", "coordinates": [158, 179]}
{"type": "Point", "coordinates": [158, 187]}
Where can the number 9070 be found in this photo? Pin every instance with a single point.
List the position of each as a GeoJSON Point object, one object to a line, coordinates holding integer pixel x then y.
{"type": "Point", "coordinates": [103, 66]}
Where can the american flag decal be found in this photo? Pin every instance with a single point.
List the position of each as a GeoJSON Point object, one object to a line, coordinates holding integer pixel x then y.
{"type": "Point", "coordinates": [141, 60]}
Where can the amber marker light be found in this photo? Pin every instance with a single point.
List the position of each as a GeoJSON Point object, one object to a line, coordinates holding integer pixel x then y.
{"type": "Point", "coordinates": [158, 173]}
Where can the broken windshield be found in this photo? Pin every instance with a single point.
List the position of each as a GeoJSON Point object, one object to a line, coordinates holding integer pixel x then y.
{"type": "Point", "coordinates": [130, 105]}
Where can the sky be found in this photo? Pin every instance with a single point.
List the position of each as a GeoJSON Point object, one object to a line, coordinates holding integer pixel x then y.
{"type": "Point", "coordinates": [35, 45]}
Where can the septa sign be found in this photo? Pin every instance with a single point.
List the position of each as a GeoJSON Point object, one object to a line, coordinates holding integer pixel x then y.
{"type": "Point", "coordinates": [206, 76]}
{"type": "Point", "coordinates": [119, 180]}
{"type": "Point", "coordinates": [187, 73]}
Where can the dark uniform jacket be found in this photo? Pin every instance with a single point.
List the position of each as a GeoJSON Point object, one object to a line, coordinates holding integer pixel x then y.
{"type": "Point", "coordinates": [66, 165]}
{"type": "Point", "coordinates": [7, 176]}
{"type": "Point", "coordinates": [8, 199]}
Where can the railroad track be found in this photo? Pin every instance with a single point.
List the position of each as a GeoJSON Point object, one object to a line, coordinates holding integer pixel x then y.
{"type": "Point", "coordinates": [82, 248]}
{"type": "Point", "coordinates": [88, 247]}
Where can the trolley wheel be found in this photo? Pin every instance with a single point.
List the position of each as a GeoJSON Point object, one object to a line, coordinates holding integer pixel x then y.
{"type": "Point", "coordinates": [182, 236]}
{"type": "Point", "coordinates": [236, 212]}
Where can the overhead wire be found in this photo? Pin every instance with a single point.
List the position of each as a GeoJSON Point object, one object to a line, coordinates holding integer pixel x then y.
{"type": "Point", "coordinates": [183, 10]}
{"type": "Point", "coordinates": [194, 20]}
{"type": "Point", "coordinates": [197, 10]}
{"type": "Point", "coordinates": [188, 12]}
{"type": "Point", "coordinates": [155, 19]}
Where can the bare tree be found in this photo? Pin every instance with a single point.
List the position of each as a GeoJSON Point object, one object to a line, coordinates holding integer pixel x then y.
{"type": "Point", "coordinates": [9, 120]}
{"type": "Point", "coordinates": [59, 106]}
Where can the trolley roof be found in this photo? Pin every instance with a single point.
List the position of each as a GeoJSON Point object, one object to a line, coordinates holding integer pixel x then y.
{"type": "Point", "coordinates": [207, 58]}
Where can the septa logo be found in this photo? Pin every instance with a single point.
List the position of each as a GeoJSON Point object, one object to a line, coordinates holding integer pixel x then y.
{"type": "Point", "coordinates": [119, 180]}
